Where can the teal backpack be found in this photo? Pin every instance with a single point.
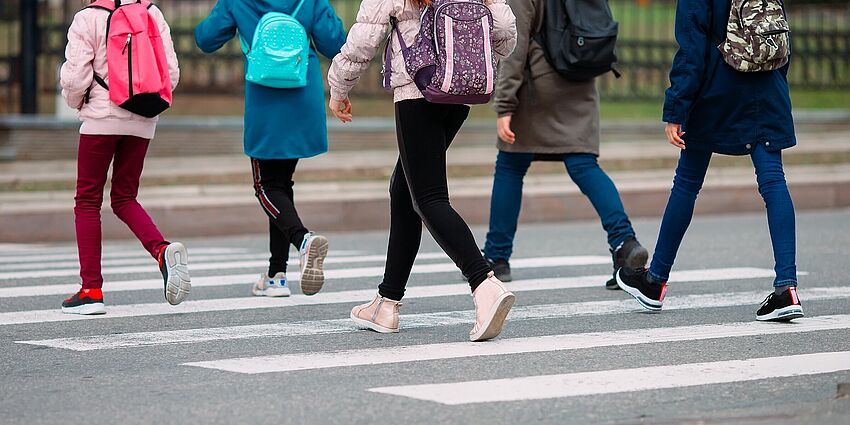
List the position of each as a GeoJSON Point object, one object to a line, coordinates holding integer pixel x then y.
{"type": "Point", "coordinates": [279, 53]}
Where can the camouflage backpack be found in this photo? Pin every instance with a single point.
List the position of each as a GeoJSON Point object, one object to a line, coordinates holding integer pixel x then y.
{"type": "Point", "coordinates": [757, 36]}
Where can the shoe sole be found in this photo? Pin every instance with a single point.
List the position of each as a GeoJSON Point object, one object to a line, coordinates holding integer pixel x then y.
{"type": "Point", "coordinates": [492, 327]}
{"type": "Point", "coordinates": [648, 304]}
{"type": "Point", "coordinates": [178, 284]}
{"type": "Point", "coordinates": [313, 275]}
{"type": "Point", "coordinates": [637, 258]}
{"type": "Point", "coordinates": [271, 292]}
{"type": "Point", "coordinates": [782, 315]}
{"type": "Point", "coordinates": [373, 326]}
{"type": "Point", "coordinates": [86, 309]}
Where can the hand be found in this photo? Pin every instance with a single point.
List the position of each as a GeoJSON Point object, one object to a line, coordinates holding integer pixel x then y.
{"type": "Point", "coordinates": [674, 135]}
{"type": "Point", "coordinates": [341, 109]}
{"type": "Point", "coordinates": [503, 125]}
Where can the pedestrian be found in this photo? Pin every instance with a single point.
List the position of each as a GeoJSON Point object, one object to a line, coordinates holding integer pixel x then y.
{"type": "Point", "coordinates": [418, 187]}
{"type": "Point", "coordinates": [545, 116]}
{"type": "Point", "coordinates": [728, 95]}
{"type": "Point", "coordinates": [284, 120]}
{"type": "Point", "coordinates": [118, 132]}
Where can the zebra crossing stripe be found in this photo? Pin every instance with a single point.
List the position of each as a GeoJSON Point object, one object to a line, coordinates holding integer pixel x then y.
{"type": "Point", "coordinates": [143, 284]}
{"type": "Point", "coordinates": [624, 380]}
{"type": "Point", "coordinates": [584, 260]}
{"type": "Point", "coordinates": [499, 347]}
{"type": "Point", "coordinates": [36, 255]}
{"type": "Point", "coordinates": [353, 296]}
{"type": "Point", "coordinates": [334, 258]}
{"type": "Point", "coordinates": [408, 322]}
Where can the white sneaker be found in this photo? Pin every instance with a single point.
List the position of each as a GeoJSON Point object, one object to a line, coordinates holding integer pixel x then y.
{"type": "Point", "coordinates": [312, 254]}
{"type": "Point", "coordinates": [267, 286]}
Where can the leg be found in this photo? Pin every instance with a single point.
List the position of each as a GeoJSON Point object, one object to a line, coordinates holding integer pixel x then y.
{"type": "Point", "coordinates": [273, 188]}
{"type": "Point", "coordinates": [279, 249]}
{"type": "Point", "coordinates": [690, 175]}
{"type": "Point", "coordinates": [505, 203]}
{"type": "Point", "coordinates": [422, 129]}
{"type": "Point", "coordinates": [584, 170]}
{"type": "Point", "coordinates": [129, 161]}
{"type": "Point", "coordinates": [405, 237]}
{"type": "Point", "coordinates": [780, 214]}
{"type": "Point", "coordinates": [93, 158]}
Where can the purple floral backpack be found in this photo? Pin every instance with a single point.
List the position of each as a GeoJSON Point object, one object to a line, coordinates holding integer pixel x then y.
{"type": "Point", "coordinates": [452, 59]}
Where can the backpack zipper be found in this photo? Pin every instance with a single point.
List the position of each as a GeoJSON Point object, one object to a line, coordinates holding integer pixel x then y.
{"type": "Point", "coordinates": [128, 47]}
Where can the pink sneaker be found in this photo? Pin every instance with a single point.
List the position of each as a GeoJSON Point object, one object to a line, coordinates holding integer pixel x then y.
{"type": "Point", "coordinates": [379, 315]}
{"type": "Point", "coordinates": [493, 302]}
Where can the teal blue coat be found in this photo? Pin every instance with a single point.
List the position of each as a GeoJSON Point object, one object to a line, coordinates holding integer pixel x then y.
{"type": "Point", "coordinates": [280, 123]}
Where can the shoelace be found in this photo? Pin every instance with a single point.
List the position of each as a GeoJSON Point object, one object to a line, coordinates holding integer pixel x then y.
{"type": "Point", "coordinates": [767, 299]}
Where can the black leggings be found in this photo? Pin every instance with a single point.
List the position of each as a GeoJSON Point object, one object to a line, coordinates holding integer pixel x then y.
{"type": "Point", "coordinates": [273, 188]}
{"type": "Point", "coordinates": [425, 130]}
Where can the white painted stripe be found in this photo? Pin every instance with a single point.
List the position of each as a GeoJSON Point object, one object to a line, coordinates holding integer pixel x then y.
{"type": "Point", "coordinates": [344, 297]}
{"type": "Point", "coordinates": [624, 380]}
{"type": "Point", "coordinates": [500, 347]}
{"type": "Point", "coordinates": [582, 260]}
{"type": "Point", "coordinates": [199, 260]}
{"type": "Point", "coordinates": [408, 322]}
{"type": "Point", "coordinates": [38, 255]}
{"type": "Point", "coordinates": [360, 272]}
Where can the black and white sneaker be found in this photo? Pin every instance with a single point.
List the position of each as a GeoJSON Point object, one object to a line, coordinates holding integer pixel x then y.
{"type": "Point", "coordinates": [501, 268]}
{"type": "Point", "coordinates": [649, 295]}
{"type": "Point", "coordinates": [174, 266]}
{"type": "Point", "coordinates": [780, 308]}
{"type": "Point", "coordinates": [630, 254]}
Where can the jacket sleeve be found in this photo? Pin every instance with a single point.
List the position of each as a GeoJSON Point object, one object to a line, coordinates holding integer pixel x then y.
{"type": "Point", "coordinates": [364, 38]}
{"type": "Point", "coordinates": [168, 43]}
{"type": "Point", "coordinates": [688, 71]}
{"type": "Point", "coordinates": [217, 29]}
{"type": "Point", "coordinates": [512, 68]}
{"type": "Point", "coordinates": [328, 33]}
{"type": "Point", "coordinates": [504, 28]}
{"type": "Point", "coordinates": [77, 72]}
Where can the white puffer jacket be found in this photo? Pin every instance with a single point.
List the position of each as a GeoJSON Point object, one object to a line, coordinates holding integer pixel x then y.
{"type": "Point", "coordinates": [371, 28]}
{"type": "Point", "coordinates": [85, 55]}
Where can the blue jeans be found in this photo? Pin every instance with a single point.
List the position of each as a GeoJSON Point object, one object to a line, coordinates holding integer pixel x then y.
{"type": "Point", "coordinates": [507, 199]}
{"type": "Point", "coordinates": [690, 175]}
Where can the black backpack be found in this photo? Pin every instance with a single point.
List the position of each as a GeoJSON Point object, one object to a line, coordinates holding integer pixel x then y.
{"type": "Point", "coordinates": [579, 38]}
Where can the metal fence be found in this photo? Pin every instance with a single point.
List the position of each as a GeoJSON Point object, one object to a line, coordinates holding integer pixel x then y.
{"type": "Point", "coordinates": [646, 46]}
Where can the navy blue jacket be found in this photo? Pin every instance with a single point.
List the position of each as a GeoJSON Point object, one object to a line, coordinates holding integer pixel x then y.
{"type": "Point", "coordinates": [721, 109]}
{"type": "Point", "coordinates": [280, 123]}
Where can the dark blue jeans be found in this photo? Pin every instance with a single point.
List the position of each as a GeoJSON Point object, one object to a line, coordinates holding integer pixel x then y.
{"type": "Point", "coordinates": [507, 199]}
{"type": "Point", "coordinates": [690, 175]}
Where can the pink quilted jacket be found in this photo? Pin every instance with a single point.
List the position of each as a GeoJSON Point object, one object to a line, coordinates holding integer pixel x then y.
{"type": "Point", "coordinates": [85, 54]}
{"type": "Point", "coordinates": [371, 28]}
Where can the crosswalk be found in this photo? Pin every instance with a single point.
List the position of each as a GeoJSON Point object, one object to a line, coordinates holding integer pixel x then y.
{"type": "Point", "coordinates": [129, 271]}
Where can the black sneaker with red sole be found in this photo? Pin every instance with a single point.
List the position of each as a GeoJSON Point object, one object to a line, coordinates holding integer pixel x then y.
{"type": "Point", "coordinates": [86, 301]}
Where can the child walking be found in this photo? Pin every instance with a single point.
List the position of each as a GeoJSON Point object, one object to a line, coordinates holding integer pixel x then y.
{"type": "Point", "coordinates": [282, 124]}
{"type": "Point", "coordinates": [112, 134]}
{"type": "Point", "coordinates": [741, 107]}
{"type": "Point", "coordinates": [418, 187]}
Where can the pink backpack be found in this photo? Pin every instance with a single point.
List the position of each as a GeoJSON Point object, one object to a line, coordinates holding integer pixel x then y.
{"type": "Point", "coordinates": [139, 80]}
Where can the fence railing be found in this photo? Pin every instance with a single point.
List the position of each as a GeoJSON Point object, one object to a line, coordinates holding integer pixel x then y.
{"type": "Point", "coordinates": [821, 31]}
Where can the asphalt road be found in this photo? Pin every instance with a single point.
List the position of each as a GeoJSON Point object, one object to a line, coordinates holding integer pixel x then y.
{"type": "Point", "coordinates": [225, 357]}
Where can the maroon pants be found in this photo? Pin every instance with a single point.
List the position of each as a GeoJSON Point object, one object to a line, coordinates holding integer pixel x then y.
{"type": "Point", "coordinates": [93, 159]}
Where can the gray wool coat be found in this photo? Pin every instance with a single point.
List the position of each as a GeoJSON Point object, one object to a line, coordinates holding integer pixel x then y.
{"type": "Point", "coordinates": [551, 115]}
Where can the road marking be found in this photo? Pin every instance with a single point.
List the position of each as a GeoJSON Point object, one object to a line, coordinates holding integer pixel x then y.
{"type": "Point", "coordinates": [624, 380]}
{"type": "Point", "coordinates": [582, 260]}
{"type": "Point", "coordinates": [40, 255]}
{"type": "Point", "coordinates": [408, 322]}
{"type": "Point", "coordinates": [201, 260]}
{"type": "Point", "coordinates": [500, 347]}
{"type": "Point", "coordinates": [360, 272]}
{"type": "Point", "coordinates": [344, 297]}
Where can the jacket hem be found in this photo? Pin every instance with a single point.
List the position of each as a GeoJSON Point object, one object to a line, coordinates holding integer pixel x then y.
{"type": "Point", "coordinates": [114, 126]}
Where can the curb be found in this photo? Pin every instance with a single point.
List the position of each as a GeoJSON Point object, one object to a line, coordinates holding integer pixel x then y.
{"type": "Point", "coordinates": [372, 212]}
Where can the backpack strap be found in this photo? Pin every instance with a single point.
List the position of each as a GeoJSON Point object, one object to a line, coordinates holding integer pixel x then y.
{"type": "Point", "coordinates": [388, 52]}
